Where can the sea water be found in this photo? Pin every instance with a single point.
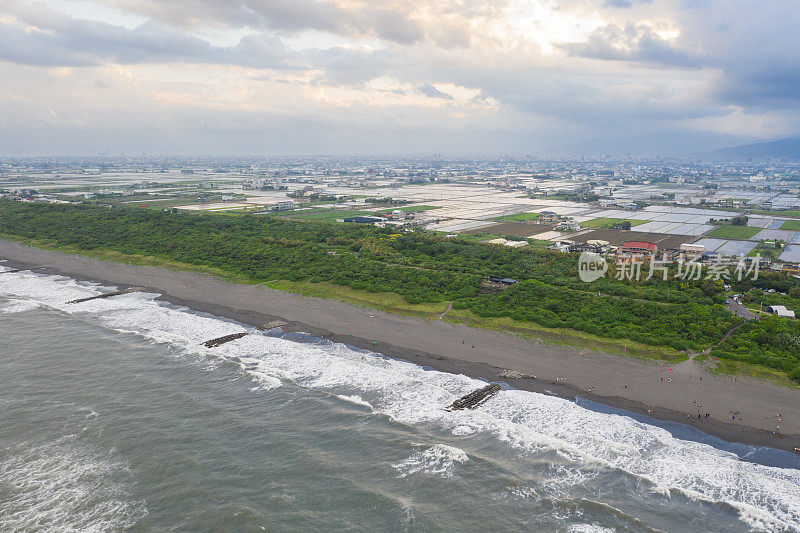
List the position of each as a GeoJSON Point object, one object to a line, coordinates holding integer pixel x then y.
{"type": "Point", "coordinates": [114, 416]}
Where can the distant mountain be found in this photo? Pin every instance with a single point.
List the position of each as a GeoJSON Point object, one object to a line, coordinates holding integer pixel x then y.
{"type": "Point", "coordinates": [668, 144]}
{"type": "Point", "coordinates": [782, 149]}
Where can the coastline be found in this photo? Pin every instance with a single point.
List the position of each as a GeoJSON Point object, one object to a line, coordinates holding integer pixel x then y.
{"type": "Point", "coordinates": [621, 382]}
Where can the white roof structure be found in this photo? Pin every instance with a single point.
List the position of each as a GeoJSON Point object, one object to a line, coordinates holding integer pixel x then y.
{"type": "Point", "coordinates": [780, 310]}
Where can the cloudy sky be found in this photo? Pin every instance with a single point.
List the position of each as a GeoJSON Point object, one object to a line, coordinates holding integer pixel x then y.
{"type": "Point", "coordinates": [466, 77]}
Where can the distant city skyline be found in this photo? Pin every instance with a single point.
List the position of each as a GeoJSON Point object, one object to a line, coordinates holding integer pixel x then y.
{"type": "Point", "coordinates": [457, 77]}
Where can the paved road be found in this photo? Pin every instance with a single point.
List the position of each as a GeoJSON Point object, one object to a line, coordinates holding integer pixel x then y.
{"type": "Point", "coordinates": [739, 310]}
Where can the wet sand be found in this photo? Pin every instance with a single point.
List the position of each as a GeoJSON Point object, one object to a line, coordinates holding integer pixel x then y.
{"type": "Point", "coordinates": [615, 380]}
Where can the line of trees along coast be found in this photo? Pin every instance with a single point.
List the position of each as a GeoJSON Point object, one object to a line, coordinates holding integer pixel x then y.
{"type": "Point", "coordinates": [424, 267]}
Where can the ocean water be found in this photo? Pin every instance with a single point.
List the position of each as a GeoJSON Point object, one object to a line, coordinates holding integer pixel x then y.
{"type": "Point", "coordinates": [114, 417]}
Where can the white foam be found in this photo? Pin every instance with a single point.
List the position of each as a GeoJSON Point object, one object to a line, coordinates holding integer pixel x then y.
{"type": "Point", "coordinates": [65, 486]}
{"type": "Point", "coordinates": [758, 519]}
{"type": "Point", "coordinates": [438, 460]}
{"type": "Point", "coordinates": [583, 442]}
{"type": "Point", "coordinates": [355, 398]}
{"type": "Point", "coordinates": [14, 305]}
{"type": "Point", "coordinates": [589, 528]}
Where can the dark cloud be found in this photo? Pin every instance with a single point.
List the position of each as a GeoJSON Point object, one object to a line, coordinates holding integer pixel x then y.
{"type": "Point", "coordinates": [633, 42]}
{"type": "Point", "coordinates": [752, 45]}
{"type": "Point", "coordinates": [432, 92]}
{"type": "Point", "coordinates": [756, 49]}
{"type": "Point", "coordinates": [625, 3]}
{"type": "Point", "coordinates": [281, 15]}
{"type": "Point", "coordinates": [79, 43]}
{"type": "Point", "coordinates": [340, 65]}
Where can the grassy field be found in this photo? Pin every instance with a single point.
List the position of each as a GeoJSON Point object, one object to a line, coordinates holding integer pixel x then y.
{"type": "Point", "coordinates": [410, 209]}
{"type": "Point", "coordinates": [325, 215]}
{"type": "Point", "coordinates": [789, 213]}
{"type": "Point", "coordinates": [723, 366]}
{"type": "Point", "coordinates": [765, 253]}
{"type": "Point", "coordinates": [599, 223]}
{"type": "Point", "coordinates": [519, 217]}
{"type": "Point", "coordinates": [569, 337]}
{"type": "Point", "coordinates": [793, 225]}
{"type": "Point", "coordinates": [387, 301]}
{"type": "Point", "coordinates": [734, 232]}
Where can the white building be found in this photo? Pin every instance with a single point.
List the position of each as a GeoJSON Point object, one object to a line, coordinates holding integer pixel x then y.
{"type": "Point", "coordinates": [284, 205]}
{"type": "Point", "coordinates": [694, 249]}
{"type": "Point", "coordinates": [779, 310]}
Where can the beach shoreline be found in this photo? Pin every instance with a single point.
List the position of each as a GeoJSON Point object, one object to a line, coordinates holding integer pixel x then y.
{"type": "Point", "coordinates": [739, 406]}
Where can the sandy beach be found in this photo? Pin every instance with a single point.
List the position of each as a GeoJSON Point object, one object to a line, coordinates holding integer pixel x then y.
{"type": "Point", "coordinates": [741, 409]}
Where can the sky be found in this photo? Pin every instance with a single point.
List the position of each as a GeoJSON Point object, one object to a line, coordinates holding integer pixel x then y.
{"type": "Point", "coordinates": [373, 77]}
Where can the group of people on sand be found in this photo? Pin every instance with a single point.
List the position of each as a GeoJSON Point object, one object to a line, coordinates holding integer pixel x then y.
{"type": "Point", "coordinates": [672, 371]}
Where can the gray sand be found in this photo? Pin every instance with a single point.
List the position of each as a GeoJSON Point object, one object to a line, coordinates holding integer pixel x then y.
{"type": "Point", "coordinates": [449, 347]}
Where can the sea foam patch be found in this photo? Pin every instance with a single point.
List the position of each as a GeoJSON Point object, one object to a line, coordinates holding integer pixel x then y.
{"type": "Point", "coordinates": [438, 460]}
{"type": "Point", "coordinates": [579, 442]}
{"type": "Point", "coordinates": [65, 486]}
{"type": "Point", "coordinates": [13, 305]}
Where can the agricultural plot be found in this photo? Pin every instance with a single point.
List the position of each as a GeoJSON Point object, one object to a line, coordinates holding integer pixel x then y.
{"type": "Point", "coordinates": [735, 232]}
{"type": "Point", "coordinates": [519, 217]}
{"type": "Point", "coordinates": [760, 222]}
{"type": "Point", "coordinates": [793, 225]}
{"type": "Point", "coordinates": [774, 234]}
{"type": "Point", "coordinates": [603, 222]}
{"type": "Point", "coordinates": [617, 238]}
{"type": "Point", "coordinates": [323, 214]}
{"type": "Point", "coordinates": [736, 247]}
{"type": "Point", "coordinates": [410, 209]}
{"type": "Point", "coordinates": [791, 253]}
{"type": "Point", "coordinates": [710, 244]}
{"type": "Point", "coordinates": [518, 229]}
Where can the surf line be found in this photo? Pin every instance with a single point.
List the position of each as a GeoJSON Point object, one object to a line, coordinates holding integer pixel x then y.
{"type": "Point", "coordinates": [15, 270]}
{"type": "Point", "coordinates": [219, 341]}
{"type": "Point", "coordinates": [468, 401]}
{"type": "Point", "coordinates": [107, 295]}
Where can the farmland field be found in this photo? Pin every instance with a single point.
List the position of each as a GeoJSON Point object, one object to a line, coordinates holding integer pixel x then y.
{"type": "Point", "coordinates": [791, 225]}
{"type": "Point", "coordinates": [328, 215]}
{"type": "Point", "coordinates": [519, 217]}
{"type": "Point", "coordinates": [519, 229]}
{"type": "Point", "coordinates": [615, 237]}
{"type": "Point", "coordinates": [733, 232]}
{"type": "Point", "coordinates": [599, 223]}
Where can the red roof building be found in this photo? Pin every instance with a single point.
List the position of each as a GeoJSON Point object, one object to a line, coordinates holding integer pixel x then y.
{"type": "Point", "coordinates": [639, 247]}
